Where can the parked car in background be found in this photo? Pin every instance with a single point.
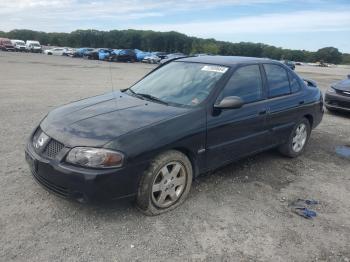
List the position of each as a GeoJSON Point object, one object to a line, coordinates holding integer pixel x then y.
{"type": "Point", "coordinates": [104, 54]}
{"type": "Point", "coordinates": [123, 55]}
{"type": "Point", "coordinates": [33, 46]}
{"type": "Point", "coordinates": [171, 57]}
{"type": "Point", "coordinates": [20, 45]}
{"type": "Point", "coordinates": [69, 51]}
{"type": "Point", "coordinates": [6, 45]}
{"type": "Point", "coordinates": [99, 54]}
{"type": "Point", "coordinates": [55, 51]}
{"type": "Point", "coordinates": [290, 64]}
{"type": "Point", "coordinates": [80, 52]}
{"type": "Point", "coordinates": [87, 53]}
{"type": "Point", "coordinates": [337, 97]}
{"type": "Point", "coordinates": [140, 55]}
{"type": "Point", "coordinates": [201, 54]}
{"type": "Point", "coordinates": [322, 64]}
{"type": "Point", "coordinates": [161, 55]}
{"type": "Point", "coordinates": [187, 117]}
{"type": "Point", "coordinates": [151, 59]}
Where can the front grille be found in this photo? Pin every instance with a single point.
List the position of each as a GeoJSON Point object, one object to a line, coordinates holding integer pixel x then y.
{"type": "Point", "coordinates": [52, 148]}
{"type": "Point", "coordinates": [62, 191]}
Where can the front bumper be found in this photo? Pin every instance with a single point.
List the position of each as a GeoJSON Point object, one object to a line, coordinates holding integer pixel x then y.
{"type": "Point", "coordinates": [8, 48]}
{"type": "Point", "coordinates": [82, 184]}
{"type": "Point", "coordinates": [336, 101]}
{"type": "Point", "coordinates": [36, 50]}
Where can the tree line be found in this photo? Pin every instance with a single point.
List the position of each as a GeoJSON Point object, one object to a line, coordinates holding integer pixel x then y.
{"type": "Point", "coordinates": [174, 42]}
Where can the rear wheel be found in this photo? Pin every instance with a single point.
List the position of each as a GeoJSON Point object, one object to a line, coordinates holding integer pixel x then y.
{"type": "Point", "coordinates": [166, 184]}
{"type": "Point", "coordinates": [297, 139]}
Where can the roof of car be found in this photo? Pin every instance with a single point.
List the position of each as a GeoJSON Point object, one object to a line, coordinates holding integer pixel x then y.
{"type": "Point", "coordinates": [224, 60]}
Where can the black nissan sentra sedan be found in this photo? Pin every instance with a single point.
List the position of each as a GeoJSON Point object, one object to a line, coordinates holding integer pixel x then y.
{"type": "Point", "coordinates": [187, 117]}
{"type": "Point", "coordinates": [337, 97]}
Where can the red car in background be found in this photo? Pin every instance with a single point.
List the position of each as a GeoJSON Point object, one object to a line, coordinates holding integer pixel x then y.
{"type": "Point", "coordinates": [6, 45]}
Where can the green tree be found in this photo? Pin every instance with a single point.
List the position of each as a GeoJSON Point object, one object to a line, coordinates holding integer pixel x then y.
{"type": "Point", "coordinates": [173, 42]}
{"type": "Point", "coordinates": [329, 55]}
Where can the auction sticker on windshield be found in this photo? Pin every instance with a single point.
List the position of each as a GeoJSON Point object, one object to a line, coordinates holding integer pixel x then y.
{"type": "Point", "coordinates": [217, 69]}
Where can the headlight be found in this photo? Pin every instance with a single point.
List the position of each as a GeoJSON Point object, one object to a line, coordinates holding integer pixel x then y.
{"type": "Point", "coordinates": [95, 157]}
{"type": "Point", "coordinates": [331, 90]}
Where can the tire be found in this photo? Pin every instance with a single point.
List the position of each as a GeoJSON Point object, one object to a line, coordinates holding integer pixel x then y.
{"type": "Point", "coordinates": [165, 184]}
{"type": "Point", "coordinates": [290, 148]}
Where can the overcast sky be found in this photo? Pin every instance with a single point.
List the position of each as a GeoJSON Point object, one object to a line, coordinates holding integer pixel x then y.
{"type": "Point", "coordinates": [298, 24]}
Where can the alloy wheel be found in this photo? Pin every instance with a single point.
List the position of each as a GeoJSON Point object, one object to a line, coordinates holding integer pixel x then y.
{"type": "Point", "coordinates": [169, 184]}
{"type": "Point", "coordinates": [299, 138]}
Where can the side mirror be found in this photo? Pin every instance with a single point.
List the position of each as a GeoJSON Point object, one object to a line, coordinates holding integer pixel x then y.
{"type": "Point", "coordinates": [349, 76]}
{"type": "Point", "coordinates": [230, 102]}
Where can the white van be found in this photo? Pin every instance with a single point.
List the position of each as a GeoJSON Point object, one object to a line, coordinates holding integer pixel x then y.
{"type": "Point", "coordinates": [19, 45]}
{"type": "Point", "coordinates": [33, 46]}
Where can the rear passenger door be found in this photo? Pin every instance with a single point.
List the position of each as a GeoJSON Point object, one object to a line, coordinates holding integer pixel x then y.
{"type": "Point", "coordinates": [283, 102]}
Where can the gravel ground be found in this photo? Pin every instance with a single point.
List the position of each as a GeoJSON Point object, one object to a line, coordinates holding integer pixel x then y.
{"type": "Point", "coordinates": [238, 213]}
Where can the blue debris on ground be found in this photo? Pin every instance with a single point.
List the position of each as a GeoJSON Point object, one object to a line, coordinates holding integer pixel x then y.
{"type": "Point", "coordinates": [343, 151]}
{"type": "Point", "coordinates": [301, 207]}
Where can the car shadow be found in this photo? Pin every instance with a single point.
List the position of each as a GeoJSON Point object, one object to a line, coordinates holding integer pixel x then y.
{"type": "Point", "coordinates": [269, 169]}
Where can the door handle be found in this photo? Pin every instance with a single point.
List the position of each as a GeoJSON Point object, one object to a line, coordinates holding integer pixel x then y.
{"type": "Point", "coordinates": [301, 102]}
{"type": "Point", "coordinates": [263, 112]}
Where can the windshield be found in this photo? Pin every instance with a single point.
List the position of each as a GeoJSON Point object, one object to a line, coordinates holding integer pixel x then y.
{"type": "Point", "coordinates": [180, 83]}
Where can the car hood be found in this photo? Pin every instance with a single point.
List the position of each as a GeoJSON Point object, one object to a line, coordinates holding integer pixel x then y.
{"type": "Point", "coordinates": [343, 85]}
{"type": "Point", "coordinates": [97, 120]}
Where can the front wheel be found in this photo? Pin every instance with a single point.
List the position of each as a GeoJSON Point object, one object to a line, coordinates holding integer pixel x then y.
{"type": "Point", "coordinates": [297, 139]}
{"type": "Point", "coordinates": [166, 183]}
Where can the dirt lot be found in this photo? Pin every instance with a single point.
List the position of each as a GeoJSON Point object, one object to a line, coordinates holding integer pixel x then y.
{"type": "Point", "coordinates": [238, 213]}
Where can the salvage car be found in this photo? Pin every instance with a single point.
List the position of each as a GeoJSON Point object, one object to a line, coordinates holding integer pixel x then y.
{"type": "Point", "coordinates": [151, 59]}
{"type": "Point", "coordinates": [337, 97]}
{"type": "Point", "coordinates": [55, 51]}
{"type": "Point", "coordinates": [33, 46]}
{"type": "Point", "coordinates": [187, 117]}
{"type": "Point", "coordinates": [140, 55]}
{"type": "Point", "coordinates": [6, 45]}
{"type": "Point", "coordinates": [170, 57]}
{"type": "Point", "coordinates": [161, 55]}
{"type": "Point", "coordinates": [289, 63]}
{"type": "Point", "coordinates": [123, 55]}
{"type": "Point", "coordinates": [81, 52]}
{"type": "Point", "coordinates": [99, 54]}
{"type": "Point", "coordinates": [69, 52]}
{"type": "Point", "coordinates": [19, 45]}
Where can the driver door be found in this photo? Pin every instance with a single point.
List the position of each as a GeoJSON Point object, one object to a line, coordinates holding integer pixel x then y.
{"type": "Point", "coordinates": [234, 133]}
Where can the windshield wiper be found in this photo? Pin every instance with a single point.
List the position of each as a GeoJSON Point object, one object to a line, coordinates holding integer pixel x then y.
{"type": "Point", "coordinates": [150, 97]}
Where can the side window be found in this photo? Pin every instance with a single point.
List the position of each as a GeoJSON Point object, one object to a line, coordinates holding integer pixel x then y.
{"type": "Point", "coordinates": [246, 83]}
{"type": "Point", "coordinates": [294, 83]}
{"type": "Point", "coordinates": [277, 79]}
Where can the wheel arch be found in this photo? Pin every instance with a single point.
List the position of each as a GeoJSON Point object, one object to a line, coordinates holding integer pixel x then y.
{"type": "Point", "coordinates": [191, 156]}
{"type": "Point", "coordinates": [310, 118]}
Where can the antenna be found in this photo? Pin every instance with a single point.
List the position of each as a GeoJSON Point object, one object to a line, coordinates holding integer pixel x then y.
{"type": "Point", "coordinates": [111, 76]}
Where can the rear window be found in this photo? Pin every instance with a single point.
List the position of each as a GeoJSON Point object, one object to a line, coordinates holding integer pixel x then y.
{"type": "Point", "coordinates": [294, 83]}
{"type": "Point", "coordinates": [277, 79]}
